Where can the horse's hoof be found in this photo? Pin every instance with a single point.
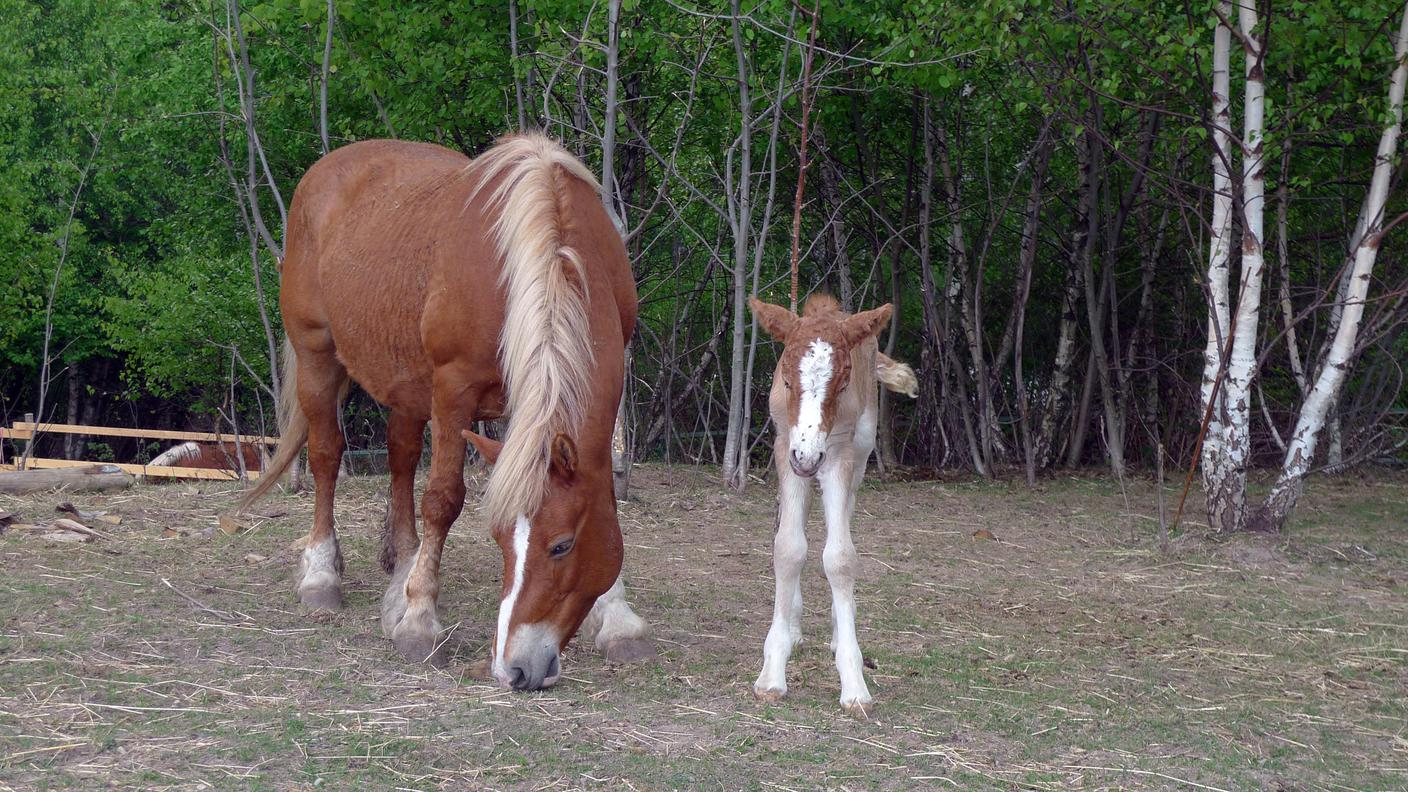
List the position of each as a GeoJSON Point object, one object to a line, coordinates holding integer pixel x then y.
{"type": "Point", "coordinates": [323, 599]}
{"type": "Point", "coordinates": [421, 649]}
{"type": "Point", "coordinates": [628, 650]}
{"type": "Point", "coordinates": [857, 708]}
{"type": "Point", "coordinates": [769, 695]}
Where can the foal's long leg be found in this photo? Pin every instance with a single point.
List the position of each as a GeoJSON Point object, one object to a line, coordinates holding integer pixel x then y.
{"type": "Point", "coordinates": [416, 631]}
{"type": "Point", "coordinates": [789, 553]}
{"type": "Point", "coordinates": [840, 561]}
{"type": "Point", "coordinates": [321, 379]}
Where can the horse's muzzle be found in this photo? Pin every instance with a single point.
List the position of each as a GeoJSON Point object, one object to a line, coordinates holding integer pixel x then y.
{"type": "Point", "coordinates": [538, 671]}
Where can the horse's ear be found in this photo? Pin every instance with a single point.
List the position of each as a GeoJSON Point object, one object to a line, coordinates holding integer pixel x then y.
{"type": "Point", "coordinates": [866, 324]}
{"type": "Point", "coordinates": [487, 447]}
{"type": "Point", "coordinates": [776, 320]}
{"type": "Point", "coordinates": [563, 457]}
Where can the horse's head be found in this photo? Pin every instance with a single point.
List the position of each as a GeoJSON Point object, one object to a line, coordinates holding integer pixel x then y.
{"type": "Point", "coordinates": [814, 368]}
{"type": "Point", "coordinates": [556, 563]}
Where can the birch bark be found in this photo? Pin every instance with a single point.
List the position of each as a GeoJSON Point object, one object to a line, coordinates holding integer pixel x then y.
{"type": "Point", "coordinates": [1220, 241]}
{"type": "Point", "coordinates": [1227, 490]}
{"type": "Point", "coordinates": [1301, 448]}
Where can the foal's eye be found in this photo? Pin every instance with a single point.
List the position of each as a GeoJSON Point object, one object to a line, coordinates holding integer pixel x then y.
{"type": "Point", "coordinates": [562, 548]}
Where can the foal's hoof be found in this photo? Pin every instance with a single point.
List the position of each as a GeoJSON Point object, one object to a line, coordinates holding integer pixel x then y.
{"type": "Point", "coordinates": [418, 648]}
{"type": "Point", "coordinates": [324, 599]}
{"type": "Point", "coordinates": [857, 708]}
{"type": "Point", "coordinates": [769, 695]}
{"type": "Point", "coordinates": [627, 650]}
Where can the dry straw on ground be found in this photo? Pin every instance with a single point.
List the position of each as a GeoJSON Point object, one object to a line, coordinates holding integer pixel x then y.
{"type": "Point", "coordinates": [1020, 639]}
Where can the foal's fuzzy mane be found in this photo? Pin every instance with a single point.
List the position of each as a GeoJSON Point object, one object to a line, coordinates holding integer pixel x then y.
{"type": "Point", "coordinates": [544, 349]}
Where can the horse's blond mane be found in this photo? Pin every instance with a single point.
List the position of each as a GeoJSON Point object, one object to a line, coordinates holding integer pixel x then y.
{"type": "Point", "coordinates": [544, 348]}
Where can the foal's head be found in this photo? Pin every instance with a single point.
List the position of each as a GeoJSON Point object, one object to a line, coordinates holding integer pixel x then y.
{"type": "Point", "coordinates": [813, 370]}
{"type": "Point", "coordinates": [557, 561]}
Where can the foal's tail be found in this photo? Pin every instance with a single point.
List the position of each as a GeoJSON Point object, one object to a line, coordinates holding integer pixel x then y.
{"type": "Point", "coordinates": [293, 431]}
{"type": "Point", "coordinates": [896, 376]}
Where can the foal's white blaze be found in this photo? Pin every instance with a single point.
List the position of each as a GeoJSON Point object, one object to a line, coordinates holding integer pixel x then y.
{"type": "Point", "coordinates": [808, 441]}
{"type": "Point", "coordinates": [521, 529]}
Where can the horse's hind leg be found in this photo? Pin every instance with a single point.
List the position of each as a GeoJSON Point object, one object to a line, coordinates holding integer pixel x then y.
{"type": "Point", "coordinates": [321, 383]}
{"type": "Point", "coordinates": [404, 439]}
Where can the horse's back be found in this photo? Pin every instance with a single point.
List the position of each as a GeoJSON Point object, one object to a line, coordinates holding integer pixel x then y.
{"type": "Point", "coordinates": [363, 229]}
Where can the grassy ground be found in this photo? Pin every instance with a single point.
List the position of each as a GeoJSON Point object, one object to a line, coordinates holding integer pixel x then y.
{"type": "Point", "coordinates": [1068, 652]}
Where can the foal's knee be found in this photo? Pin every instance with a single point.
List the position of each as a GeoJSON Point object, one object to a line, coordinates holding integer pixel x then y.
{"type": "Point", "coordinates": [840, 562]}
{"type": "Point", "coordinates": [788, 554]}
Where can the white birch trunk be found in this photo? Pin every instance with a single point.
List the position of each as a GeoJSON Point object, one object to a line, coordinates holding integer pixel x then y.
{"type": "Point", "coordinates": [1220, 242]}
{"type": "Point", "coordinates": [1227, 490]}
{"type": "Point", "coordinates": [1331, 375]}
{"type": "Point", "coordinates": [735, 463]}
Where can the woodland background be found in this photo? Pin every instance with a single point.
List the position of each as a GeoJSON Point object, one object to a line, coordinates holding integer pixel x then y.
{"type": "Point", "coordinates": [1032, 183]}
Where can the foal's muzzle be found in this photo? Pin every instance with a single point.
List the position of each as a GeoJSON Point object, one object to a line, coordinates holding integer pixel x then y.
{"type": "Point", "coordinates": [805, 466]}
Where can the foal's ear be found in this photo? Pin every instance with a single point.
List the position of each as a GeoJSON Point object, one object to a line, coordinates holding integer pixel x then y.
{"type": "Point", "coordinates": [776, 320]}
{"type": "Point", "coordinates": [563, 457]}
{"type": "Point", "coordinates": [487, 447]}
{"type": "Point", "coordinates": [865, 324]}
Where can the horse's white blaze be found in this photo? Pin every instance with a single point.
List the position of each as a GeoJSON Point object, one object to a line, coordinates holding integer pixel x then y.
{"type": "Point", "coordinates": [521, 529]}
{"type": "Point", "coordinates": [808, 441]}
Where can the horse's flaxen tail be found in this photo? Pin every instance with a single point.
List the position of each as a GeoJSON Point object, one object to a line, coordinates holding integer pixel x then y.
{"type": "Point", "coordinates": [293, 431]}
{"type": "Point", "coordinates": [896, 376]}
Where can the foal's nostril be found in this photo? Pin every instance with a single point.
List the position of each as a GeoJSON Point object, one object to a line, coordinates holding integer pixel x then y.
{"type": "Point", "coordinates": [554, 668]}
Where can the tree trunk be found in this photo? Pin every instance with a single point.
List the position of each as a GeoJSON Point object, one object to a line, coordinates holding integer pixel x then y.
{"type": "Point", "coordinates": [735, 462]}
{"type": "Point", "coordinates": [1031, 225]}
{"type": "Point", "coordinates": [1220, 245]}
{"type": "Point", "coordinates": [1289, 485]}
{"type": "Point", "coordinates": [1227, 482]}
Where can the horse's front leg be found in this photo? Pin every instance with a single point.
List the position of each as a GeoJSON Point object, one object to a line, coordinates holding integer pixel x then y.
{"type": "Point", "coordinates": [841, 563]}
{"type": "Point", "coordinates": [620, 635]}
{"type": "Point", "coordinates": [408, 610]}
{"type": "Point", "coordinates": [789, 553]}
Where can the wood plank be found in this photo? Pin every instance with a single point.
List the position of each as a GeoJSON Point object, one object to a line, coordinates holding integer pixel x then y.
{"type": "Point", "coordinates": [86, 476]}
{"type": "Point", "coordinates": [142, 470]}
{"type": "Point", "coordinates": [24, 430]}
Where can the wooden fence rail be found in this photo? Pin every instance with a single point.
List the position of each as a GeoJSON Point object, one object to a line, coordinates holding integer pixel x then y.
{"type": "Point", "coordinates": [27, 430]}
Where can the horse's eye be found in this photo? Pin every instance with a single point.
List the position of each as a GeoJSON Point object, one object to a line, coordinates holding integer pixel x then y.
{"type": "Point", "coordinates": [562, 548]}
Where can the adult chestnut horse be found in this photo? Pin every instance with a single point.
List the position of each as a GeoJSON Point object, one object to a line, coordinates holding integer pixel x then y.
{"type": "Point", "coordinates": [454, 291]}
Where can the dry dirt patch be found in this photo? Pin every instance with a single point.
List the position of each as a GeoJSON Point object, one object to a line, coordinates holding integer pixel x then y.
{"type": "Point", "coordinates": [1058, 648]}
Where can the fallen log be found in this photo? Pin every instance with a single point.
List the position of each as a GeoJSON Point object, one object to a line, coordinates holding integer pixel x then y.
{"type": "Point", "coordinates": [77, 479]}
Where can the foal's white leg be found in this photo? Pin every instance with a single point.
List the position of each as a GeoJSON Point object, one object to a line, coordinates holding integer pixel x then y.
{"type": "Point", "coordinates": [789, 553]}
{"type": "Point", "coordinates": [840, 561]}
{"type": "Point", "coordinates": [620, 635]}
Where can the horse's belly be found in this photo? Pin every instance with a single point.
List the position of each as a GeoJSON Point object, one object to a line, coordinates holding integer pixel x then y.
{"type": "Point", "coordinates": [373, 308]}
